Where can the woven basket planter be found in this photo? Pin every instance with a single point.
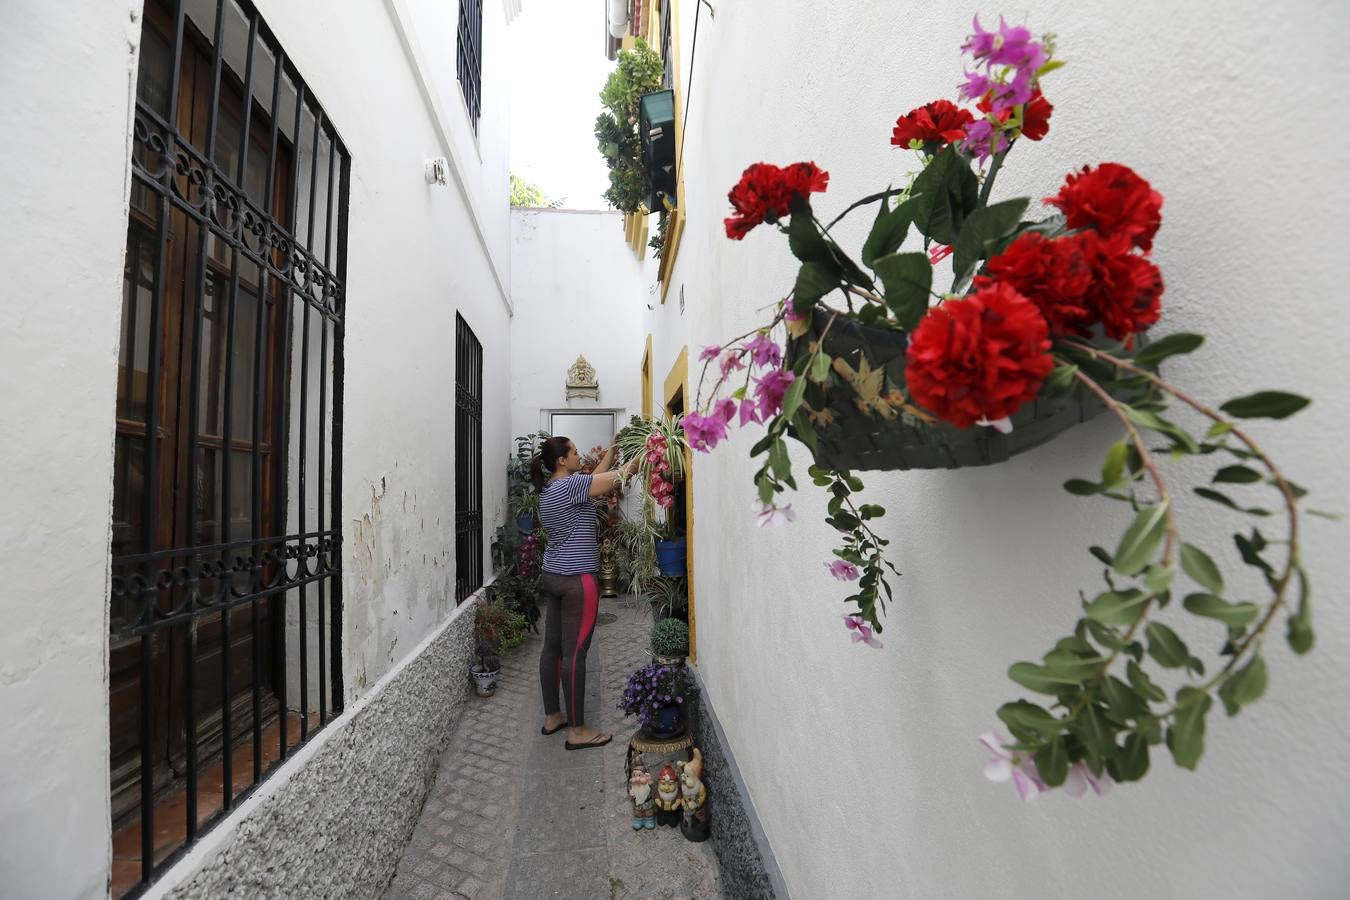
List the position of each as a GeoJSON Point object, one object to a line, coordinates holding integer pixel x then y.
{"type": "Point", "coordinates": [860, 441]}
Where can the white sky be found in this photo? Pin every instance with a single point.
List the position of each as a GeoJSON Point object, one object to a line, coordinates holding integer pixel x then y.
{"type": "Point", "coordinates": [558, 66]}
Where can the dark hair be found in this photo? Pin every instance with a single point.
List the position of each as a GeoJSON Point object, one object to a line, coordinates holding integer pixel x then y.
{"type": "Point", "coordinates": [545, 462]}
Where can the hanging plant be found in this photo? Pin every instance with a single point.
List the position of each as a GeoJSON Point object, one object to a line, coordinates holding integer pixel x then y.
{"type": "Point", "coordinates": [639, 72]}
{"type": "Point", "coordinates": [1046, 324]}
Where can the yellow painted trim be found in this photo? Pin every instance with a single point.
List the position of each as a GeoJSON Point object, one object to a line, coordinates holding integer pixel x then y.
{"type": "Point", "coordinates": [647, 380]}
{"type": "Point", "coordinates": [677, 381]}
{"type": "Point", "coordinates": [628, 42]}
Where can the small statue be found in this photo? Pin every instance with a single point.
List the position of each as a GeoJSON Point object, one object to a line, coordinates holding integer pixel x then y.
{"type": "Point", "coordinates": [668, 796]}
{"type": "Point", "coordinates": [694, 824]}
{"type": "Point", "coordinates": [644, 804]}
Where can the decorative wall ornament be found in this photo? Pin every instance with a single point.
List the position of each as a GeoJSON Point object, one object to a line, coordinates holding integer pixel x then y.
{"type": "Point", "coordinates": [581, 381]}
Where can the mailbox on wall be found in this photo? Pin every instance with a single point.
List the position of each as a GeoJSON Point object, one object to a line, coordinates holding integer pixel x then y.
{"type": "Point", "coordinates": [656, 126]}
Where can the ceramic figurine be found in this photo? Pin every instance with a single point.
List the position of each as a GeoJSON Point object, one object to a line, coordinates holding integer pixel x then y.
{"type": "Point", "coordinates": [667, 796]}
{"type": "Point", "coordinates": [694, 824]}
{"type": "Point", "coordinates": [644, 804]}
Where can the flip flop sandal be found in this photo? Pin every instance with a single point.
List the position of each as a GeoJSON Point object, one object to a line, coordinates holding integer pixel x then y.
{"type": "Point", "coordinates": [593, 742]}
{"type": "Point", "coordinates": [553, 730]}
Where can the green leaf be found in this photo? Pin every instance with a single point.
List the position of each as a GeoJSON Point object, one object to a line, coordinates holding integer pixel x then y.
{"type": "Point", "coordinates": [1300, 634]}
{"type": "Point", "coordinates": [1140, 681]}
{"type": "Point", "coordinates": [1158, 579]}
{"type": "Point", "coordinates": [1164, 646]}
{"type": "Point", "coordinates": [1225, 500]}
{"type": "Point", "coordinates": [1211, 607]}
{"type": "Point", "coordinates": [948, 191]}
{"type": "Point", "coordinates": [1132, 762]}
{"type": "Point", "coordinates": [814, 280]}
{"type": "Point", "coordinates": [985, 227]}
{"type": "Point", "coordinates": [1113, 468]}
{"type": "Point", "coordinates": [805, 431]}
{"type": "Point", "coordinates": [1236, 475]}
{"type": "Point", "coordinates": [1141, 539]}
{"type": "Point", "coordinates": [1179, 436]}
{"type": "Point", "coordinates": [1094, 732]}
{"type": "Point", "coordinates": [1117, 607]}
{"type": "Point", "coordinates": [1244, 686]}
{"type": "Point", "coordinates": [805, 239]}
{"type": "Point", "coordinates": [1026, 715]}
{"type": "Point", "coordinates": [1065, 664]}
{"type": "Point", "coordinates": [778, 459]}
{"type": "Point", "coordinates": [765, 491]}
{"type": "Point", "coordinates": [1082, 488]}
{"type": "Point", "coordinates": [792, 400]}
{"type": "Point", "coordinates": [1197, 564]}
{"type": "Point", "coordinates": [907, 279]}
{"type": "Point", "coordinates": [1061, 378]}
{"type": "Point", "coordinates": [889, 230]}
{"type": "Point", "coordinates": [1171, 345]}
{"type": "Point", "coordinates": [1124, 700]}
{"type": "Point", "coordinates": [1186, 736]}
{"type": "Point", "coordinates": [1039, 679]}
{"type": "Point", "coordinates": [1052, 762]}
{"type": "Point", "coordinates": [1265, 405]}
{"type": "Point", "coordinates": [820, 367]}
{"type": "Point", "coordinates": [1100, 554]}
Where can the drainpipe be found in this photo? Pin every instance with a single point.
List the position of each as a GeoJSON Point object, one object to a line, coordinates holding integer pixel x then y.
{"type": "Point", "coordinates": [618, 18]}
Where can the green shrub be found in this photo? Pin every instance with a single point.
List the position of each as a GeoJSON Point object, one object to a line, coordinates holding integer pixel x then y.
{"type": "Point", "coordinates": [670, 637]}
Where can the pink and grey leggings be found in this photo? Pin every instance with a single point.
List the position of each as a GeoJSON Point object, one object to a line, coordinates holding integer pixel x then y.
{"type": "Point", "coordinates": [573, 603]}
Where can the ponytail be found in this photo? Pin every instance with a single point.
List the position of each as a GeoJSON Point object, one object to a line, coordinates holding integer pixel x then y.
{"type": "Point", "coordinates": [545, 462]}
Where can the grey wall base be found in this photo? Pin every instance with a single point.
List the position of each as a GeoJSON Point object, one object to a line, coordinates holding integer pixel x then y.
{"type": "Point", "coordinates": [338, 827]}
{"type": "Point", "coordinates": [745, 861]}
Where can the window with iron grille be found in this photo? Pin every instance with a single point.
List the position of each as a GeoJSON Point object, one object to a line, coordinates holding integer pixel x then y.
{"type": "Point", "coordinates": [468, 461]}
{"type": "Point", "coordinates": [470, 57]}
{"type": "Point", "coordinates": [226, 594]}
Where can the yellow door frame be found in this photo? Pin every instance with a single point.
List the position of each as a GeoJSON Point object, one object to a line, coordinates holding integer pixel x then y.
{"type": "Point", "coordinates": [647, 379]}
{"type": "Point", "coordinates": [677, 382]}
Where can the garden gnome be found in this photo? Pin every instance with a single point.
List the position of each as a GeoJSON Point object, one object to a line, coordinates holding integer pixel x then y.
{"type": "Point", "coordinates": [644, 804]}
{"type": "Point", "coordinates": [668, 796]}
{"type": "Point", "coordinates": [694, 824]}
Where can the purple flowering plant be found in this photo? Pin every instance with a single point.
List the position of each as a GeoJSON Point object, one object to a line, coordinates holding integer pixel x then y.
{"type": "Point", "coordinates": [654, 687]}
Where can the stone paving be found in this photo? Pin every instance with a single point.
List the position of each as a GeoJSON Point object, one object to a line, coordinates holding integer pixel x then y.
{"type": "Point", "coordinates": [514, 815]}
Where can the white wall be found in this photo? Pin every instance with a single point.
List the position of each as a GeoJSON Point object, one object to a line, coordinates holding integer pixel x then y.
{"type": "Point", "coordinates": [62, 241]}
{"type": "Point", "coordinates": [578, 290]}
{"type": "Point", "coordinates": [417, 254]}
{"type": "Point", "coordinates": [863, 764]}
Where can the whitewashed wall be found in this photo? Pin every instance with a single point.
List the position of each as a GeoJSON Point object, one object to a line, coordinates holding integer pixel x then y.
{"type": "Point", "coordinates": [863, 764]}
{"type": "Point", "coordinates": [417, 254]}
{"type": "Point", "coordinates": [578, 290]}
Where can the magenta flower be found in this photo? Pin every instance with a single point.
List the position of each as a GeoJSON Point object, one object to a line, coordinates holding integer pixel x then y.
{"type": "Point", "coordinates": [983, 140]}
{"type": "Point", "coordinates": [1080, 778]}
{"type": "Point", "coordinates": [975, 86]}
{"type": "Point", "coordinates": [862, 633]}
{"type": "Point", "coordinates": [776, 515]}
{"type": "Point", "coordinates": [730, 363]}
{"type": "Point", "coordinates": [703, 432]}
{"type": "Point", "coordinates": [709, 352]}
{"type": "Point", "coordinates": [769, 392]}
{"type": "Point", "coordinates": [748, 413]}
{"type": "Point", "coordinates": [764, 351]}
{"type": "Point", "coordinates": [843, 570]}
{"type": "Point", "coordinates": [1004, 765]}
{"type": "Point", "coordinates": [725, 409]}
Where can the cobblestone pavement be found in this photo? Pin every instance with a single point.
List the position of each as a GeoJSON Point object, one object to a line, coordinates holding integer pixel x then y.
{"type": "Point", "coordinates": [512, 814]}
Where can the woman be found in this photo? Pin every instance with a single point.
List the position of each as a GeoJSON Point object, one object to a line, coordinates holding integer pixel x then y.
{"type": "Point", "coordinates": [568, 581]}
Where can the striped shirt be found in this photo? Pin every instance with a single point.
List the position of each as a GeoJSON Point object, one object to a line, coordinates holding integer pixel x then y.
{"type": "Point", "coordinates": [568, 514]}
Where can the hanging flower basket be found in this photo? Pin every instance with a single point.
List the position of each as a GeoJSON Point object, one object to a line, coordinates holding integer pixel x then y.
{"type": "Point", "coordinates": [852, 433]}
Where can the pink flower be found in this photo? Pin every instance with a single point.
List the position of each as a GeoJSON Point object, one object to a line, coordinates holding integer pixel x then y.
{"type": "Point", "coordinates": [769, 392]}
{"type": "Point", "coordinates": [709, 352]}
{"type": "Point", "coordinates": [1004, 765]}
{"type": "Point", "coordinates": [725, 409]}
{"type": "Point", "coordinates": [776, 515]}
{"type": "Point", "coordinates": [764, 351]}
{"type": "Point", "coordinates": [703, 432]}
{"type": "Point", "coordinates": [1080, 777]}
{"type": "Point", "coordinates": [843, 570]}
{"type": "Point", "coordinates": [862, 633]}
{"type": "Point", "coordinates": [749, 412]}
{"type": "Point", "coordinates": [983, 141]}
{"type": "Point", "coordinates": [730, 363]}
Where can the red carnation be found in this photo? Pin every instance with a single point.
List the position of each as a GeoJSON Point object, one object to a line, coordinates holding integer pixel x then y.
{"type": "Point", "coordinates": [1052, 274]}
{"type": "Point", "coordinates": [980, 357]}
{"type": "Point", "coordinates": [1113, 200]}
{"type": "Point", "coordinates": [1035, 114]}
{"type": "Point", "coordinates": [939, 122]}
{"type": "Point", "coordinates": [1125, 295]}
{"type": "Point", "coordinates": [765, 190]}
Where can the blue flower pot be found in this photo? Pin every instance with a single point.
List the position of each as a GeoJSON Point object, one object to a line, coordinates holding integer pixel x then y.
{"type": "Point", "coordinates": [670, 557]}
{"type": "Point", "coordinates": [669, 723]}
{"type": "Point", "coordinates": [525, 523]}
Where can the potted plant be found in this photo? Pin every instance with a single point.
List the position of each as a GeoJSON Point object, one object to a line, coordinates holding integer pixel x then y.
{"type": "Point", "coordinates": [635, 540]}
{"type": "Point", "coordinates": [658, 695]}
{"type": "Point", "coordinates": [1044, 325]}
{"type": "Point", "coordinates": [670, 641]}
{"type": "Point", "coordinates": [487, 666]}
{"type": "Point", "coordinates": [498, 627]}
{"type": "Point", "coordinates": [639, 72]}
{"type": "Point", "coordinates": [525, 507]}
{"type": "Point", "coordinates": [669, 596]}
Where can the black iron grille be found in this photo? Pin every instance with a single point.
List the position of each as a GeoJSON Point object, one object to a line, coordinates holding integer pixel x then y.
{"type": "Point", "coordinates": [470, 57]}
{"type": "Point", "coordinates": [226, 594]}
{"type": "Point", "coordinates": [468, 461]}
